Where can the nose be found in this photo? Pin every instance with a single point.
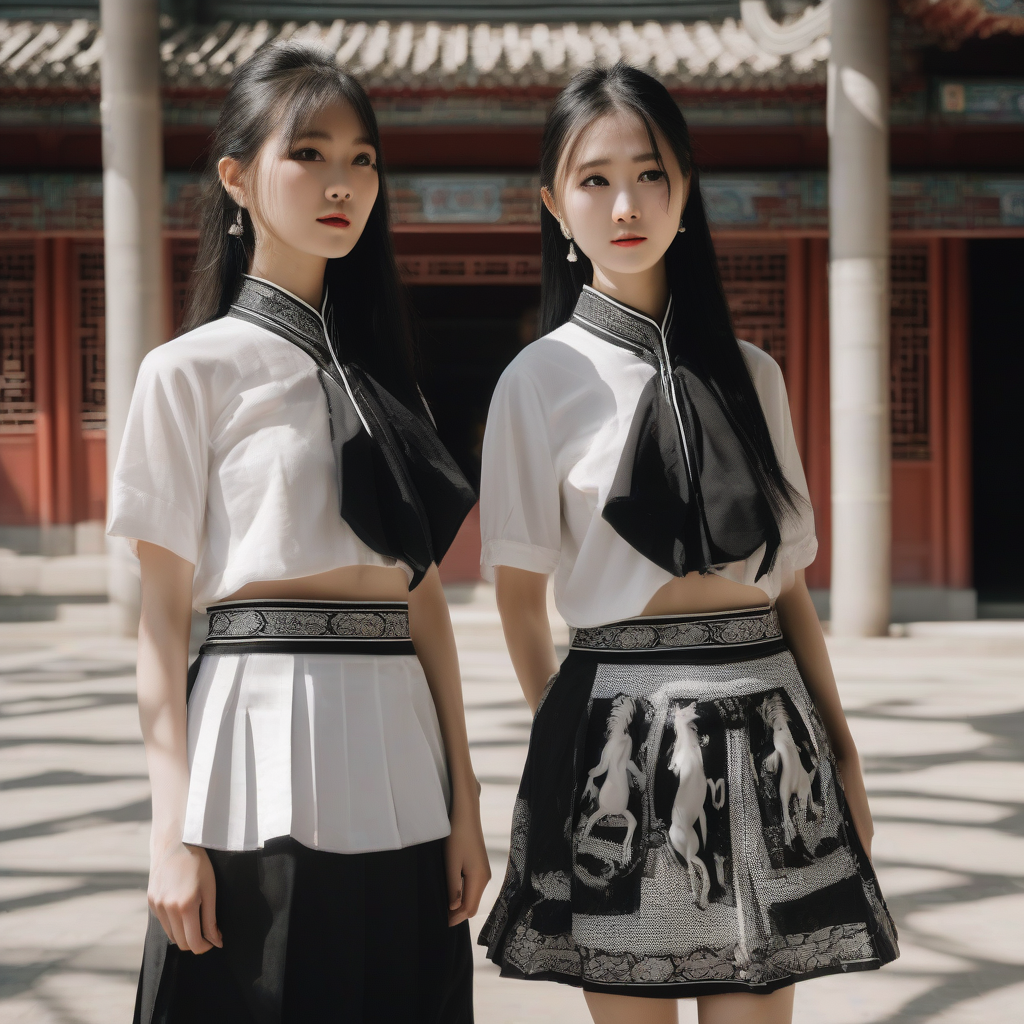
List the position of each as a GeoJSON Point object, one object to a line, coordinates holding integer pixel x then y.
{"type": "Point", "coordinates": [335, 193]}
{"type": "Point", "coordinates": [626, 208]}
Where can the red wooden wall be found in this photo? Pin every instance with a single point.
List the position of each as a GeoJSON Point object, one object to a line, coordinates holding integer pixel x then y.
{"type": "Point", "coordinates": [52, 441]}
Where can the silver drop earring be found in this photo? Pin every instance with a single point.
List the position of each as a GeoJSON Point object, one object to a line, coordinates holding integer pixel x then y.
{"type": "Point", "coordinates": [571, 254]}
{"type": "Point", "coordinates": [237, 229]}
{"type": "Point", "coordinates": [681, 229]}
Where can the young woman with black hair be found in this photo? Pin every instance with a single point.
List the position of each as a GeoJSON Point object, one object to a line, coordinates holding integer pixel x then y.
{"type": "Point", "coordinates": [692, 820]}
{"type": "Point", "coordinates": [316, 831]}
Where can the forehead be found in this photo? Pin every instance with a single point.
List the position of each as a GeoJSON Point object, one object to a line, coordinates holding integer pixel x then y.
{"type": "Point", "coordinates": [336, 119]}
{"type": "Point", "coordinates": [618, 134]}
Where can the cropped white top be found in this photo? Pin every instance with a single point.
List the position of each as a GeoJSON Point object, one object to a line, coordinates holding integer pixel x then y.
{"type": "Point", "coordinates": [227, 462]}
{"type": "Point", "coordinates": [558, 422]}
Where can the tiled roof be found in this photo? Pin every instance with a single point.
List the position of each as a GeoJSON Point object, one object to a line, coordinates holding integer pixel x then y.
{"type": "Point", "coordinates": [430, 55]}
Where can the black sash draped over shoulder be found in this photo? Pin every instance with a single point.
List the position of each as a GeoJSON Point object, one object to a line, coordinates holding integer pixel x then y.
{"type": "Point", "coordinates": [684, 494]}
{"type": "Point", "coordinates": [398, 487]}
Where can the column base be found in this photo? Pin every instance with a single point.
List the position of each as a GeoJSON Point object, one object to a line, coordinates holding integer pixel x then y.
{"type": "Point", "coordinates": [918, 604]}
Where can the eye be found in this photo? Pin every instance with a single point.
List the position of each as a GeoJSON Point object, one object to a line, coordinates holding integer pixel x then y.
{"type": "Point", "coordinates": [307, 153]}
{"type": "Point", "coordinates": [594, 181]}
{"type": "Point", "coordinates": [656, 175]}
{"type": "Point", "coordinates": [365, 160]}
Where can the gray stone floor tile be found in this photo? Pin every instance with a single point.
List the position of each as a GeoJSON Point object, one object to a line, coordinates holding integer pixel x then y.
{"type": "Point", "coordinates": [938, 716]}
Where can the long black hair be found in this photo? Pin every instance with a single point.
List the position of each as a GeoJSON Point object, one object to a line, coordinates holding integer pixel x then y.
{"type": "Point", "coordinates": [287, 84]}
{"type": "Point", "coordinates": [702, 333]}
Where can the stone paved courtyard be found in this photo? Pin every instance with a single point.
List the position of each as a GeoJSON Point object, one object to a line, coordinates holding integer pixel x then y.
{"type": "Point", "coordinates": [939, 717]}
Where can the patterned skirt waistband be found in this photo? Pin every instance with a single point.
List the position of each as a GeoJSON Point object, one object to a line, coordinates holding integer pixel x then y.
{"type": "Point", "coordinates": [751, 632]}
{"type": "Point", "coordinates": [301, 626]}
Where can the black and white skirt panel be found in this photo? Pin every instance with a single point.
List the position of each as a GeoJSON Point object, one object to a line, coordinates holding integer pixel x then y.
{"type": "Point", "coordinates": [318, 787]}
{"type": "Point", "coordinates": [314, 936]}
{"type": "Point", "coordinates": [680, 828]}
{"type": "Point", "coordinates": [313, 719]}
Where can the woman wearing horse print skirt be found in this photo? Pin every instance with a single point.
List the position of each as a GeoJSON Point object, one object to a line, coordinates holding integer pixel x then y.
{"type": "Point", "coordinates": [692, 820]}
{"type": "Point", "coordinates": [316, 844]}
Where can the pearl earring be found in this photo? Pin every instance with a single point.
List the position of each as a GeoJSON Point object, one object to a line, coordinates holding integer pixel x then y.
{"type": "Point", "coordinates": [237, 229]}
{"type": "Point", "coordinates": [571, 254]}
{"type": "Point", "coordinates": [681, 229]}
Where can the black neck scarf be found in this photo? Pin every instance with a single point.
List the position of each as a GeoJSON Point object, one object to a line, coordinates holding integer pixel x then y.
{"type": "Point", "coordinates": [684, 495]}
{"type": "Point", "coordinates": [398, 487]}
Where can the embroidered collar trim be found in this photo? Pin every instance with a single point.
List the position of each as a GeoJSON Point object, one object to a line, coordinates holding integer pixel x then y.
{"type": "Point", "coordinates": [622, 325]}
{"type": "Point", "coordinates": [283, 309]}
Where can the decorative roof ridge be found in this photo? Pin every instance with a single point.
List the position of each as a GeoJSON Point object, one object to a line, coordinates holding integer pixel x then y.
{"type": "Point", "coordinates": [395, 55]}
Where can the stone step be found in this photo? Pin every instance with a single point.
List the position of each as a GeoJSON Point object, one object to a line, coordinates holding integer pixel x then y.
{"type": "Point", "coordinates": [59, 576]}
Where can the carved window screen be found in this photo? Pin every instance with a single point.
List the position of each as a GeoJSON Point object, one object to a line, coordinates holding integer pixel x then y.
{"type": "Point", "coordinates": [89, 328]}
{"type": "Point", "coordinates": [17, 337]}
{"type": "Point", "coordinates": [754, 279]}
{"type": "Point", "coordinates": [909, 338]}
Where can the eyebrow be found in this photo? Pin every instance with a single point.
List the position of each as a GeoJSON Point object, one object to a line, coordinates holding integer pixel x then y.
{"type": "Point", "coordinates": [317, 133]}
{"type": "Point", "coordinates": [641, 159]}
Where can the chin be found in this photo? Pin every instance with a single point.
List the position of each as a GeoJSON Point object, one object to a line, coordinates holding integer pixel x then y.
{"type": "Point", "coordinates": [637, 265]}
{"type": "Point", "coordinates": [332, 252]}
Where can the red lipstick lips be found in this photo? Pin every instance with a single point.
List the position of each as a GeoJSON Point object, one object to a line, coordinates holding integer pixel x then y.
{"type": "Point", "coordinates": [629, 241]}
{"type": "Point", "coordinates": [334, 220]}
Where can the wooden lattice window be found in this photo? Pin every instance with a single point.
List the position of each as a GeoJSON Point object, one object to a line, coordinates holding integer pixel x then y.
{"type": "Point", "coordinates": [17, 337]}
{"type": "Point", "coordinates": [909, 336]}
{"type": "Point", "coordinates": [183, 259]}
{"type": "Point", "coordinates": [754, 279]}
{"type": "Point", "coordinates": [90, 330]}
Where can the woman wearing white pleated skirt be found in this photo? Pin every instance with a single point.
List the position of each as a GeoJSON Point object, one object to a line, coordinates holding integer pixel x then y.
{"type": "Point", "coordinates": [316, 847]}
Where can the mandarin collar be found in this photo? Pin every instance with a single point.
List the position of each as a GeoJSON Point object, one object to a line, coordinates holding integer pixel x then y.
{"type": "Point", "coordinates": [283, 310]}
{"type": "Point", "coordinates": [622, 325]}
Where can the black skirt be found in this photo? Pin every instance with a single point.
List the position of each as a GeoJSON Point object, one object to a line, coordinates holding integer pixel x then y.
{"type": "Point", "coordinates": [313, 936]}
{"type": "Point", "coordinates": [681, 828]}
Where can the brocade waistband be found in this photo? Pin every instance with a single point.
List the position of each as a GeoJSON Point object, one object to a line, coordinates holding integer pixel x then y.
{"type": "Point", "coordinates": [721, 631]}
{"type": "Point", "coordinates": [303, 626]}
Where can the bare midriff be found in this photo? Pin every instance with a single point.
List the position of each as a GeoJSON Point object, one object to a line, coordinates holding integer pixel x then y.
{"type": "Point", "coordinates": [693, 593]}
{"type": "Point", "coordinates": [348, 583]}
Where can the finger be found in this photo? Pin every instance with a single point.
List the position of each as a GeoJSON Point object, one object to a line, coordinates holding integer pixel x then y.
{"type": "Point", "coordinates": [473, 890]}
{"type": "Point", "coordinates": [208, 915]}
{"type": "Point", "coordinates": [453, 870]}
{"type": "Point", "coordinates": [193, 929]}
{"type": "Point", "coordinates": [160, 914]}
{"type": "Point", "coordinates": [174, 919]}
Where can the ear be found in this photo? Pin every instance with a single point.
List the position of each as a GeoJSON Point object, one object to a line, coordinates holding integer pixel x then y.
{"type": "Point", "coordinates": [549, 201]}
{"type": "Point", "coordinates": [230, 172]}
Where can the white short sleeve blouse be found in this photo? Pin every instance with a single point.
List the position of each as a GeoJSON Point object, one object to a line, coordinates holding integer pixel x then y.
{"type": "Point", "coordinates": [227, 461]}
{"type": "Point", "coordinates": [557, 425]}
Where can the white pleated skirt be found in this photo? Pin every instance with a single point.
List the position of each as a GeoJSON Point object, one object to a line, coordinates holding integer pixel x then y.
{"type": "Point", "coordinates": [341, 751]}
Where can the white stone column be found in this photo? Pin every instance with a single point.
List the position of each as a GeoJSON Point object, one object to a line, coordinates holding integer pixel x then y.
{"type": "Point", "coordinates": [858, 115]}
{"type": "Point", "coordinates": [132, 218]}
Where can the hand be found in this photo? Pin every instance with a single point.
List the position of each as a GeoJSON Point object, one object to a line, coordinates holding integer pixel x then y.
{"type": "Point", "coordinates": [183, 895]}
{"type": "Point", "coordinates": [468, 869]}
{"type": "Point", "coordinates": [857, 798]}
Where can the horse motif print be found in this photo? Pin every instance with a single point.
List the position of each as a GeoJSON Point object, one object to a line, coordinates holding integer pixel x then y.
{"type": "Point", "coordinates": [617, 765]}
{"type": "Point", "coordinates": [686, 762]}
{"type": "Point", "coordinates": [794, 780]}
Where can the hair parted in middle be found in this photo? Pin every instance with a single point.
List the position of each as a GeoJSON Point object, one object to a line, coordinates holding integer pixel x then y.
{"type": "Point", "coordinates": [281, 88]}
{"type": "Point", "coordinates": [702, 334]}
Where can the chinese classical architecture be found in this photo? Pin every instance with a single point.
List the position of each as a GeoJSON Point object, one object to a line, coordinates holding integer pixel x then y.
{"type": "Point", "coordinates": [461, 90]}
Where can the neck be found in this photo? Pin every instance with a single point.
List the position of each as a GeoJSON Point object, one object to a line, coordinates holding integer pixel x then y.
{"type": "Point", "coordinates": [646, 292]}
{"type": "Point", "coordinates": [298, 272]}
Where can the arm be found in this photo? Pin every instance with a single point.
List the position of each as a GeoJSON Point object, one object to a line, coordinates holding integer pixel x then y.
{"type": "Point", "coordinates": [182, 892]}
{"type": "Point", "coordinates": [803, 634]}
{"type": "Point", "coordinates": [523, 606]}
{"type": "Point", "coordinates": [465, 853]}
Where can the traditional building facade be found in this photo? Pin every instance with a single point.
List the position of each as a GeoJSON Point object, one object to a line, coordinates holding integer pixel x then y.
{"type": "Point", "coordinates": [461, 91]}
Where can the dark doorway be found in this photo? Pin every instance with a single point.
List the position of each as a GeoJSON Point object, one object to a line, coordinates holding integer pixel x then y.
{"type": "Point", "coordinates": [471, 333]}
{"type": "Point", "coordinates": [997, 370]}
